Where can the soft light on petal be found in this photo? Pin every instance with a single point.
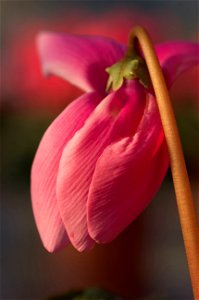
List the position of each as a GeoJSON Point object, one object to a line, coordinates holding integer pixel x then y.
{"type": "Point", "coordinates": [176, 58]}
{"type": "Point", "coordinates": [126, 177]}
{"type": "Point", "coordinates": [117, 115]}
{"type": "Point", "coordinates": [81, 60]}
{"type": "Point", "coordinates": [45, 168]}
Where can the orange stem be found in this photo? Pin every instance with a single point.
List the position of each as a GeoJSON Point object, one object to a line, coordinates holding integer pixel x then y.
{"type": "Point", "coordinates": [185, 203]}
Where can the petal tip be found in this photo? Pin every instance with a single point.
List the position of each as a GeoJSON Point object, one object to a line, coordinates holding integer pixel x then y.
{"type": "Point", "coordinates": [53, 246]}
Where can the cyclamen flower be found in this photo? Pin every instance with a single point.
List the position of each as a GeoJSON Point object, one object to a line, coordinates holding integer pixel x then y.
{"type": "Point", "coordinates": [102, 160]}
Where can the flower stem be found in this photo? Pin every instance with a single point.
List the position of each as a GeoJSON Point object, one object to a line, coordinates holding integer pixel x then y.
{"type": "Point", "coordinates": [185, 203]}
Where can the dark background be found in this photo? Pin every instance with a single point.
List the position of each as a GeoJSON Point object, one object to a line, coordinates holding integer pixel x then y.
{"type": "Point", "coordinates": [147, 261]}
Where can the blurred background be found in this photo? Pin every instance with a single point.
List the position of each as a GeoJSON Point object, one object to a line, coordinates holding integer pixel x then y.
{"type": "Point", "coordinates": [147, 261]}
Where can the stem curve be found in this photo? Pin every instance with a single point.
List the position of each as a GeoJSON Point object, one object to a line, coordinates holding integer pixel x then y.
{"type": "Point", "coordinates": [185, 203]}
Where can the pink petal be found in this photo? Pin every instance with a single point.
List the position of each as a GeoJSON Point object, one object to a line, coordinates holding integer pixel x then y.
{"type": "Point", "coordinates": [126, 177]}
{"type": "Point", "coordinates": [81, 60]}
{"type": "Point", "coordinates": [177, 57]}
{"type": "Point", "coordinates": [117, 115]}
{"type": "Point", "coordinates": [45, 168]}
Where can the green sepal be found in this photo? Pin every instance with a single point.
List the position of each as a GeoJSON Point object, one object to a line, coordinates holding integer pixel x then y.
{"type": "Point", "coordinates": [127, 68]}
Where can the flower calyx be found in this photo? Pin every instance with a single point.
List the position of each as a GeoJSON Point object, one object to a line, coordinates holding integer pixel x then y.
{"type": "Point", "coordinates": [132, 66]}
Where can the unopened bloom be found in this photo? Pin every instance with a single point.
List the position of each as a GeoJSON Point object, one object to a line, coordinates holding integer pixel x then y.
{"type": "Point", "coordinates": [102, 160]}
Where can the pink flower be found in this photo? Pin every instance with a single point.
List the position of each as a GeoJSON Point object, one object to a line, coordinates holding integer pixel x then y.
{"type": "Point", "coordinates": [102, 160]}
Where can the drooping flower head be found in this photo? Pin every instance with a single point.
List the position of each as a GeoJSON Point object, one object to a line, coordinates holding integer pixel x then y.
{"type": "Point", "coordinates": [102, 160]}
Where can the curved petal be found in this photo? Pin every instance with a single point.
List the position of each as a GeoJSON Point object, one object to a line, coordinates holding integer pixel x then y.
{"type": "Point", "coordinates": [81, 60]}
{"type": "Point", "coordinates": [45, 168]}
{"type": "Point", "coordinates": [117, 115]}
{"type": "Point", "coordinates": [126, 177]}
{"type": "Point", "coordinates": [177, 57]}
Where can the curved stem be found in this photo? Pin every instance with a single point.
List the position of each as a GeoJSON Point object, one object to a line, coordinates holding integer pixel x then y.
{"type": "Point", "coordinates": [186, 209]}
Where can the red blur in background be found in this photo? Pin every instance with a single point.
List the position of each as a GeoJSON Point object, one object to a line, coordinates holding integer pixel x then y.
{"type": "Point", "coordinates": [24, 86]}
